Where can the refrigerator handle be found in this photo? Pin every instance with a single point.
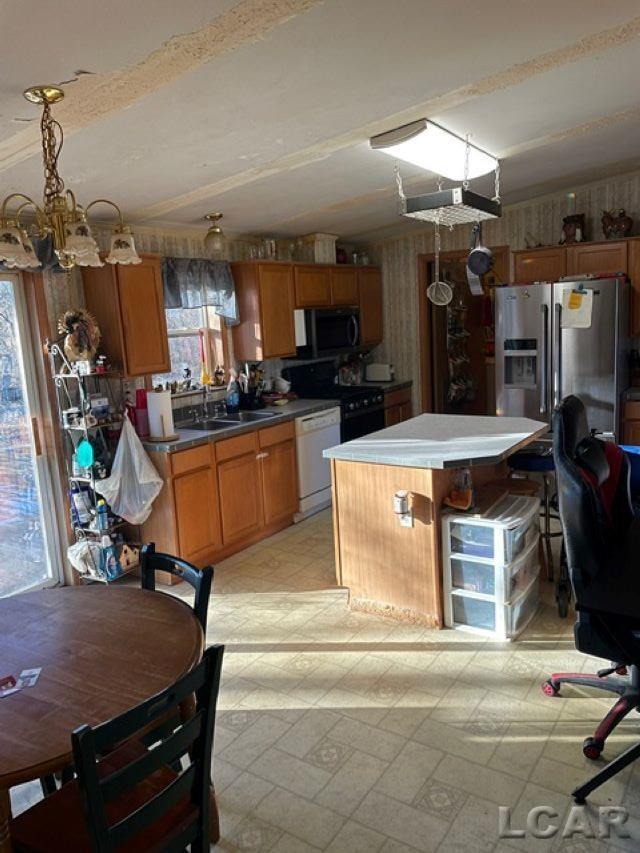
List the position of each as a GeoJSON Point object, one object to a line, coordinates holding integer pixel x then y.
{"type": "Point", "coordinates": [544, 359]}
{"type": "Point", "coordinates": [557, 357]}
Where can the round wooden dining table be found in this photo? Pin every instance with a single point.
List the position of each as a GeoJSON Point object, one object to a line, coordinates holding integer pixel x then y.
{"type": "Point", "coordinates": [102, 650]}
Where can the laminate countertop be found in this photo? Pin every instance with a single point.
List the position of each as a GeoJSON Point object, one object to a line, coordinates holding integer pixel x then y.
{"type": "Point", "coordinates": [442, 441]}
{"type": "Point", "coordinates": [193, 437]}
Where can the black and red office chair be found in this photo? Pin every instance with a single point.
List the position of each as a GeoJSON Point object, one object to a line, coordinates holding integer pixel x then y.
{"type": "Point", "coordinates": [602, 542]}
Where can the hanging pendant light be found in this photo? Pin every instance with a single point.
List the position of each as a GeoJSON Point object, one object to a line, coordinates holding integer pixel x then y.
{"type": "Point", "coordinates": [61, 228]}
{"type": "Point", "coordinates": [214, 238]}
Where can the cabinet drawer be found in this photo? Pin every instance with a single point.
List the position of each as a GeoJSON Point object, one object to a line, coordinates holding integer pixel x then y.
{"type": "Point", "coordinates": [275, 434]}
{"type": "Point", "coordinates": [189, 460]}
{"type": "Point", "coordinates": [397, 398]}
{"type": "Point", "coordinates": [228, 448]}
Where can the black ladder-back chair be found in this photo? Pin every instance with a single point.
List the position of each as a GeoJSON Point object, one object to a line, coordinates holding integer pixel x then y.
{"type": "Point", "coordinates": [126, 798]}
{"type": "Point", "coordinates": [200, 579]}
{"type": "Point", "coordinates": [604, 566]}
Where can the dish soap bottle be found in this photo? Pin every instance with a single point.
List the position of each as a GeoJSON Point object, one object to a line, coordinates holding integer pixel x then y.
{"type": "Point", "coordinates": [233, 393]}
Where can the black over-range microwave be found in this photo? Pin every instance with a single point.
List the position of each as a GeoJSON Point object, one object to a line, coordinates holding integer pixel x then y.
{"type": "Point", "coordinates": [327, 331]}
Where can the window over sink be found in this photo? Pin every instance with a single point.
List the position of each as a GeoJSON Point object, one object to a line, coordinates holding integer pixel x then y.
{"type": "Point", "coordinates": [193, 332]}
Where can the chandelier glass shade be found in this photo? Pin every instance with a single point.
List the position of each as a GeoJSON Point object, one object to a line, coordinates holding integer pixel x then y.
{"type": "Point", "coordinates": [214, 238]}
{"type": "Point", "coordinates": [59, 218]}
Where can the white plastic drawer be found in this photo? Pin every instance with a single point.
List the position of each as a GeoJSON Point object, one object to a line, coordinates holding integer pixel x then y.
{"type": "Point", "coordinates": [474, 612]}
{"type": "Point", "coordinates": [473, 576]}
{"type": "Point", "coordinates": [519, 538]}
{"type": "Point", "coordinates": [477, 540]}
{"type": "Point", "coordinates": [520, 613]}
{"type": "Point", "coordinates": [522, 572]}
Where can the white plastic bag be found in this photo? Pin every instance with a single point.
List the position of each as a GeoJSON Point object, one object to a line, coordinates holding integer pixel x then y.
{"type": "Point", "coordinates": [84, 556]}
{"type": "Point", "coordinates": [134, 483]}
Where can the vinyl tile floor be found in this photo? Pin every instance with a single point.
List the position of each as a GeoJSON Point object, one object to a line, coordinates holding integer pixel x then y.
{"type": "Point", "coordinates": [350, 733]}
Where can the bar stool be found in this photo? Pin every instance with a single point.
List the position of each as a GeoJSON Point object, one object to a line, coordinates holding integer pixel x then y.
{"type": "Point", "coordinates": [538, 459]}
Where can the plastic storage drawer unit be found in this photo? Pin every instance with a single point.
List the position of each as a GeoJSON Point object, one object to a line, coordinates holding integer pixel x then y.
{"type": "Point", "coordinates": [491, 567]}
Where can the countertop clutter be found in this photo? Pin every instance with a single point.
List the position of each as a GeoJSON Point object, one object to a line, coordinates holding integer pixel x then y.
{"type": "Point", "coordinates": [442, 441]}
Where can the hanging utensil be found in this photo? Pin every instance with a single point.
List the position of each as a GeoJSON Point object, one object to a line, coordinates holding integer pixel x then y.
{"type": "Point", "coordinates": [438, 292]}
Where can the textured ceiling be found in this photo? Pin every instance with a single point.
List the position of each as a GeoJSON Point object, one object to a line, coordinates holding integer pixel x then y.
{"type": "Point", "coordinates": [263, 108]}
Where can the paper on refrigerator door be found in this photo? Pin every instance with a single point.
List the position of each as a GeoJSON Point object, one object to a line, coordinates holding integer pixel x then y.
{"type": "Point", "coordinates": [577, 309]}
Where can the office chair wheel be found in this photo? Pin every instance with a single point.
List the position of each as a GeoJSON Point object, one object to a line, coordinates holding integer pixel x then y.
{"type": "Point", "coordinates": [550, 688]}
{"type": "Point", "coordinates": [592, 748]}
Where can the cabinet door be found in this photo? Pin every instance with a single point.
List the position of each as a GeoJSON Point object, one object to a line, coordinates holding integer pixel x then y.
{"type": "Point", "coordinates": [279, 481]}
{"type": "Point", "coordinates": [240, 490]}
{"type": "Point", "coordinates": [313, 286]}
{"type": "Point", "coordinates": [633, 269]}
{"type": "Point", "coordinates": [393, 416]}
{"type": "Point", "coordinates": [406, 411]}
{"type": "Point", "coordinates": [596, 258]}
{"type": "Point", "coordinates": [344, 286]}
{"type": "Point", "coordinates": [370, 286]}
{"type": "Point", "coordinates": [539, 265]}
{"type": "Point", "coordinates": [144, 323]}
{"type": "Point", "coordinates": [196, 510]}
{"type": "Point", "coordinates": [276, 310]}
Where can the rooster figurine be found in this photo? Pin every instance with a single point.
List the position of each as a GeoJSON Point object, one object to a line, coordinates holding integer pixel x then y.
{"type": "Point", "coordinates": [81, 335]}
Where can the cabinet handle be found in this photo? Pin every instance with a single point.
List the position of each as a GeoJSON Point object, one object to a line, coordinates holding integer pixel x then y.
{"type": "Point", "coordinates": [262, 455]}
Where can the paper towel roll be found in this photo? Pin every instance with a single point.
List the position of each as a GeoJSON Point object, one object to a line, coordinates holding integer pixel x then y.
{"type": "Point", "coordinates": [160, 414]}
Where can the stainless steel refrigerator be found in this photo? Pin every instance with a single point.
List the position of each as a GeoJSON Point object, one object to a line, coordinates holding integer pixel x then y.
{"type": "Point", "coordinates": [543, 353]}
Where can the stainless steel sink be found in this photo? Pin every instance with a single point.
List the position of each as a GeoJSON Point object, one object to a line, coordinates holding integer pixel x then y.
{"type": "Point", "coordinates": [229, 420]}
{"type": "Point", "coordinates": [244, 417]}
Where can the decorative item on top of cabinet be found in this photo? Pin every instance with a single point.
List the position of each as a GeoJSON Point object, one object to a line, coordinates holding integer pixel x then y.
{"type": "Point", "coordinates": [370, 290]}
{"type": "Point", "coordinates": [573, 229]}
{"type": "Point", "coordinates": [545, 264]}
{"type": "Point", "coordinates": [265, 293]}
{"type": "Point", "coordinates": [397, 406]}
{"type": "Point", "coordinates": [616, 224]}
{"type": "Point", "coordinates": [128, 304]}
{"type": "Point", "coordinates": [312, 286]}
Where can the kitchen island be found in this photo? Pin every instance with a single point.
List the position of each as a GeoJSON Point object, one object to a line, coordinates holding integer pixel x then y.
{"type": "Point", "coordinates": [393, 569]}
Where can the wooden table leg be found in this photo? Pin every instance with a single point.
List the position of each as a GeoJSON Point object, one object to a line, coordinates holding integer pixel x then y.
{"type": "Point", "coordinates": [5, 816]}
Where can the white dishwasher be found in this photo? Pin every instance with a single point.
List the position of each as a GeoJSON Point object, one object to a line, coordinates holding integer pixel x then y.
{"type": "Point", "coordinates": [315, 433]}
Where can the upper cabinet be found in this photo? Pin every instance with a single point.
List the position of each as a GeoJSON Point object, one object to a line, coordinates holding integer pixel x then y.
{"type": "Point", "coordinates": [265, 293]}
{"type": "Point", "coordinates": [128, 304]}
{"type": "Point", "coordinates": [585, 258]}
{"type": "Point", "coordinates": [344, 286]}
{"type": "Point", "coordinates": [312, 286]}
{"type": "Point", "coordinates": [370, 294]}
{"type": "Point", "coordinates": [546, 264]}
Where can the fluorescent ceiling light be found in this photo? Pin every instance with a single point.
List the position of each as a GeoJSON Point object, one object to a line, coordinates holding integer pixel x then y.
{"type": "Point", "coordinates": [431, 147]}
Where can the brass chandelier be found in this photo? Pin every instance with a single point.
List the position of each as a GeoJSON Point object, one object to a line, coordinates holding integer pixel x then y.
{"type": "Point", "coordinates": [59, 221]}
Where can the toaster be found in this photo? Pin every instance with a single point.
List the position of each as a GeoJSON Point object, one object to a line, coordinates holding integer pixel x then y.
{"type": "Point", "coordinates": [380, 373]}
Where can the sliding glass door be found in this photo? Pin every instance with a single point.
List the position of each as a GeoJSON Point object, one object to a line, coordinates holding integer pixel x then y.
{"type": "Point", "coordinates": [29, 550]}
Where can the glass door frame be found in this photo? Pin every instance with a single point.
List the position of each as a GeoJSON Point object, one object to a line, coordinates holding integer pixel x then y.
{"type": "Point", "coordinates": [39, 414]}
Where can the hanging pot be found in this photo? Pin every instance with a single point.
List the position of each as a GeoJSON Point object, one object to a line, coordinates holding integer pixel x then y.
{"type": "Point", "coordinates": [480, 259]}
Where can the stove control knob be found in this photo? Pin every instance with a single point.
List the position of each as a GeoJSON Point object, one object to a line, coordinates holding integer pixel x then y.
{"type": "Point", "coordinates": [351, 406]}
{"type": "Point", "coordinates": [379, 398]}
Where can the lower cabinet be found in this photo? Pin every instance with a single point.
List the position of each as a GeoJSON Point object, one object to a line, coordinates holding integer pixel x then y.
{"type": "Point", "coordinates": [397, 406]}
{"type": "Point", "coordinates": [219, 498]}
{"type": "Point", "coordinates": [240, 497]}
{"type": "Point", "coordinates": [631, 423]}
{"type": "Point", "coordinates": [197, 518]}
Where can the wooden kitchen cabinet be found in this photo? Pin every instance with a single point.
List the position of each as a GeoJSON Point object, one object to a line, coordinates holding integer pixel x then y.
{"type": "Point", "coordinates": [265, 293]}
{"type": "Point", "coordinates": [185, 518]}
{"type": "Point", "coordinates": [631, 422]}
{"type": "Point", "coordinates": [240, 497]}
{"type": "Point", "coordinates": [545, 264]}
{"type": "Point", "coordinates": [279, 472]}
{"type": "Point", "coordinates": [312, 286]}
{"type": "Point", "coordinates": [370, 294]}
{"type": "Point", "coordinates": [585, 258]}
{"type": "Point", "coordinates": [344, 286]}
{"type": "Point", "coordinates": [128, 304]}
{"type": "Point", "coordinates": [397, 406]}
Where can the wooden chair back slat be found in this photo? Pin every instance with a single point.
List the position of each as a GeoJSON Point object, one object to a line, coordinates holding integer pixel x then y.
{"type": "Point", "coordinates": [201, 580]}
